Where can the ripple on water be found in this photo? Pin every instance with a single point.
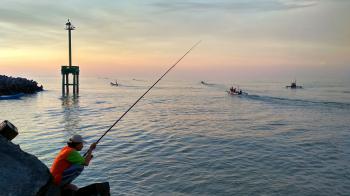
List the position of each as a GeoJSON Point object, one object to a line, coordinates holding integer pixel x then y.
{"type": "Point", "coordinates": [198, 142]}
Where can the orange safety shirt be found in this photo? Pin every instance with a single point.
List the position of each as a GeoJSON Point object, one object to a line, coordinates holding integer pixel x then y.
{"type": "Point", "coordinates": [62, 163]}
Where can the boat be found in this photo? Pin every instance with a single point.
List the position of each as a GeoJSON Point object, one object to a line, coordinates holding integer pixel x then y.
{"type": "Point", "coordinates": [293, 85]}
{"type": "Point", "coordinates": [236, 91]}
{"type": "Point", "coordinates": [115, 84]}
{"type": "Point", "coordinates": [207, 84]}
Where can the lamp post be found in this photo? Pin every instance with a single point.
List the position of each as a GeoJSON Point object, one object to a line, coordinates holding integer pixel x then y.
{"type": "Point", "coordinates": [70, 69]}
{"type": "Point", "coordinates": [69, 27]}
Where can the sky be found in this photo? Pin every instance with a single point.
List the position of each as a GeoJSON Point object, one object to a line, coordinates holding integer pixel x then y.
{"type": "Point", "coordinates": [240, 38]}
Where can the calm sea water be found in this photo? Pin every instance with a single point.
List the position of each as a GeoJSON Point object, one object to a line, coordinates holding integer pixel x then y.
{"type": "Point", "coordinates": [185, 138]}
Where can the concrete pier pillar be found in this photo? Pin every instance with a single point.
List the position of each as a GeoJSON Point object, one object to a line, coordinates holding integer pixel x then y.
{"type": "Point", "coordinates": [66, 71]}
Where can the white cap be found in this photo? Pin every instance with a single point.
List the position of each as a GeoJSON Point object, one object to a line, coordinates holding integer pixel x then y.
{"type": "Point", "coordinates": [76, 139]}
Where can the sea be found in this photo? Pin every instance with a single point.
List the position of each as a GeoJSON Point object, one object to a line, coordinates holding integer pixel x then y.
{"type": "Point", "coordinates": [189, 138]}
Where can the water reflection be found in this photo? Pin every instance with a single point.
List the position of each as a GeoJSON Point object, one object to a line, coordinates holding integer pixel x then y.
{"type": "Point", "coordinates": [71, 110]}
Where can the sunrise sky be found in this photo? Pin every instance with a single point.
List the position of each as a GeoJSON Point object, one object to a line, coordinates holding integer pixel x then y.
{"type": "Point", "coordinates": [288, 38]}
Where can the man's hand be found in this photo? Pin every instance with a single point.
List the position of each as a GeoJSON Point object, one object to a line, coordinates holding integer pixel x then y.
{"type": "Point", "coordinates": [89, 156]}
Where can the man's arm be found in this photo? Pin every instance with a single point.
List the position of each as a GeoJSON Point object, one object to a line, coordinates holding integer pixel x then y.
{"type": "Point", "coordinates": [88, 156]}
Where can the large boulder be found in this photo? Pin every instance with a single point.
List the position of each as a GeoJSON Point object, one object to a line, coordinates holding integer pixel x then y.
{"type": "Point", "coordinates": [22, 173]}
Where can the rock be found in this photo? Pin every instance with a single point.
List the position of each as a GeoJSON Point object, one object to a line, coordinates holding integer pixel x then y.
{"type": "Point", "coordinates": [101, 189]}
{"type": "Point", "coordinates": [22, 173]}
{"type": "Point", "coordinates": [11, 86]}
{"type": "Point", "coordinates": [8, 130]}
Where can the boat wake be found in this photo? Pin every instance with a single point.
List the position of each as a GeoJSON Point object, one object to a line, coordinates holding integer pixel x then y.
{"type": "Point", "coordinates": [130, 86]}
{"type": "Point", "coordinates": [298, 102]}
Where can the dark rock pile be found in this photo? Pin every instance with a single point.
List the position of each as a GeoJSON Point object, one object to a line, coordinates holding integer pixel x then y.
{"type": "Point", "coordinates": [11, 86]}
{"type": "Point", "coordinates": [22, 173]}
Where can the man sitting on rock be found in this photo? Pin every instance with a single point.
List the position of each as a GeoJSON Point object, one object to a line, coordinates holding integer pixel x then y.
{"type": "Point", "coordinates": [69, 163]}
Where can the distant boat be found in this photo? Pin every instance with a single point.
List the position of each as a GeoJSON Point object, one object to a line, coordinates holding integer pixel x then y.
{"type": "Point", "coordinates": [206, 83]}
{"type": "Point", "coordinates": [115, 84]}
{"type": "Point", "coordinates": [236, 91]}
{"type": "Point", "coordinates": [293, 85]}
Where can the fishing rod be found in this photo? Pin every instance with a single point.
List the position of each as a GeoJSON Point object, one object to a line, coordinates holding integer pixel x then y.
{"type": "Point", "coordinates": [145, 93]}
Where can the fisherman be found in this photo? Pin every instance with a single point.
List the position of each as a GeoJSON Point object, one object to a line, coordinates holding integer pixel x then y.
{"type": "Point", "coordinates": [69, 164]}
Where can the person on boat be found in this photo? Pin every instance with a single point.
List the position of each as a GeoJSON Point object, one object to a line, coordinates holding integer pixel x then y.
{"type": "Point", "coordinates": [69, 164]}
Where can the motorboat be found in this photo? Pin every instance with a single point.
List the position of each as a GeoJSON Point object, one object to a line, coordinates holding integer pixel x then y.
{"type": "Point", "coordinates": [236, 91]}
{"type": "Point", "coordinates": [115, 84]}
{"type": "Point", "coordinates": [294, 85]}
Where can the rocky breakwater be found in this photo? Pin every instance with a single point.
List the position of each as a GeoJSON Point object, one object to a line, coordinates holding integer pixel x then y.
{"type": "Point", "coordinates": [21, 173]}
{"type": "Point", "coordinates": [12, 86]}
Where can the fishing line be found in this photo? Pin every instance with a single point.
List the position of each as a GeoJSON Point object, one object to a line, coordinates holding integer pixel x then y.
{"type": "Point", "coordinates": [145, 93]}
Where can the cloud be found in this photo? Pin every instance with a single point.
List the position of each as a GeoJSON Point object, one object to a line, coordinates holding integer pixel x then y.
{"type": "Point", "coordinates": [238, 5]}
